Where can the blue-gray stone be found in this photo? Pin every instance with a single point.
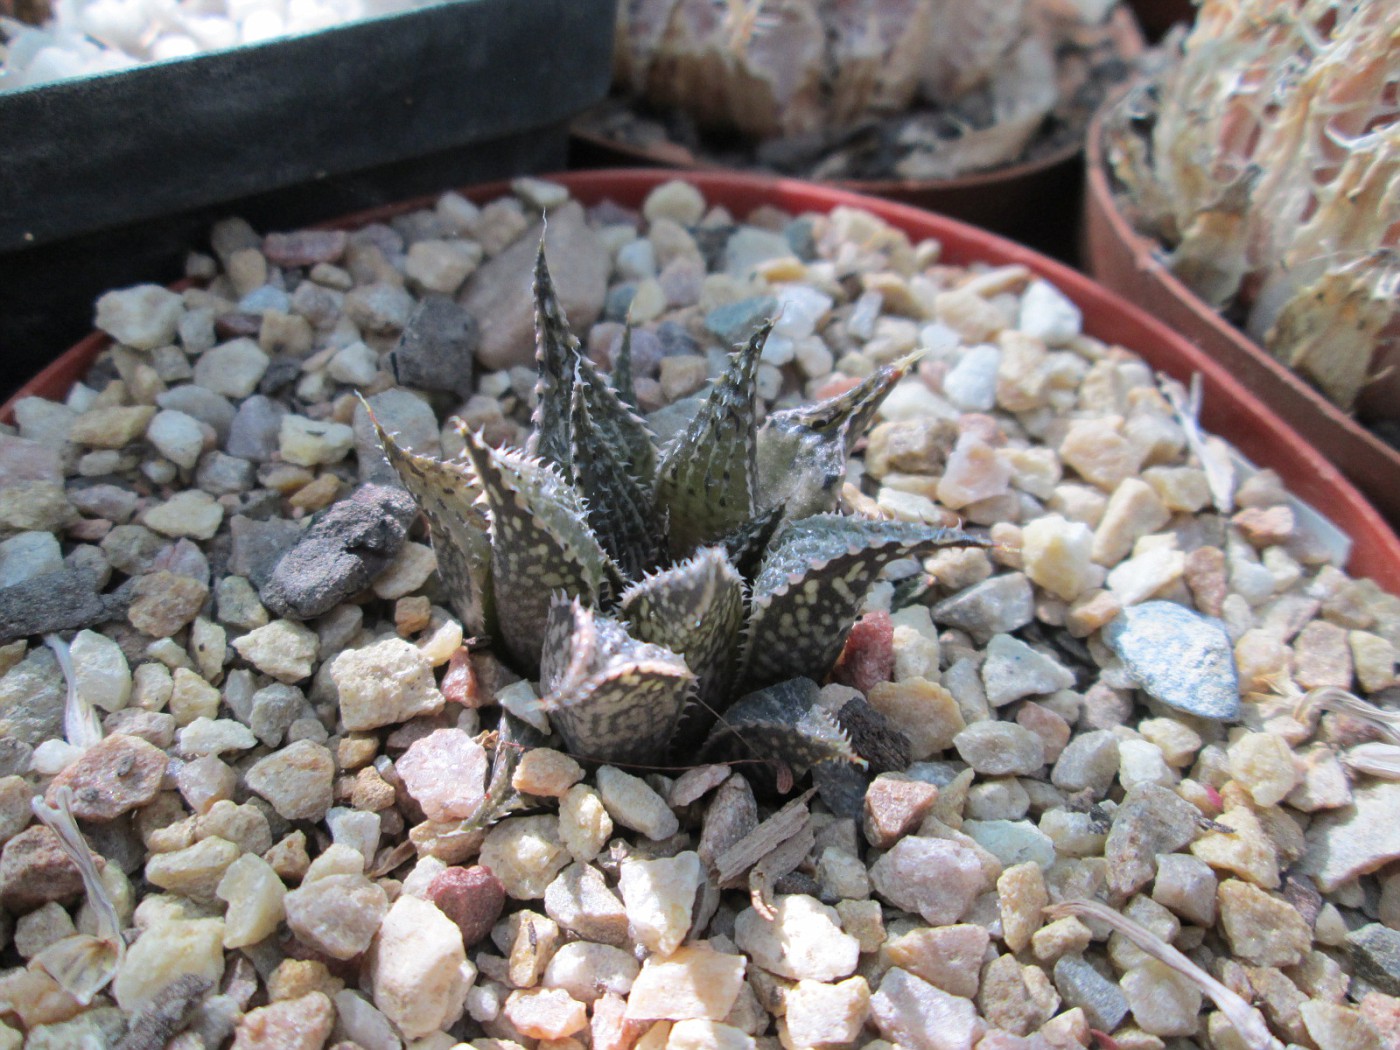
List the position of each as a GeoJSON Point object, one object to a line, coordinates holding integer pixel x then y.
{"type": "Point", "coordinates": [1375, 951]}
{"type": "Point", "coordinates": [1179, 657]}
{"type": "Point", "coordinates": [1081, 985]}
{"type": "Point", "coordinates": [735, 322]}
{"type": "Point", "coordinates": [619, 301]}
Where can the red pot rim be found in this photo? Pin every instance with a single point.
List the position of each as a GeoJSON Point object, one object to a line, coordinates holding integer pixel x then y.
{"type": "Point", "coordinates": [1229, 409]}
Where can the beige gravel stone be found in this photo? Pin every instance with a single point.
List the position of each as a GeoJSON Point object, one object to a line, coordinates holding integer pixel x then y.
{"type": "Point", "coordinates": [525, 853]}
{"type": "Point", "coordinates": [419, 970]}
{"type": "Point", "coordinates": [693, 982]}
{"type": "Point", "coordinates": [1261, 929]}
{"type": "Point", "coordinates": [803, 939]}
{"type": "Point", "coordinates": [165, 951]}
{"type": "Point", "coordinates": [301, 1023]}
{"type": "Point", "coordinates": [660, 896]}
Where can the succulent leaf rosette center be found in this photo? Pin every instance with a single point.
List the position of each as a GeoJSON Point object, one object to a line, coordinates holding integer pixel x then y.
{"type": "Point", "coordinates": [675, 603]}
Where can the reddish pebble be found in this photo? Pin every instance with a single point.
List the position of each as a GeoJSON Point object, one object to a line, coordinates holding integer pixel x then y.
{"type": "Point", "coordinates": [237, 325]}
{"type": "Point", "coordinates": [836, 386]}
{"type": "Point", "coordinates": [471, 897]}
{"type": "Point", "coordinates": [459, 681]}
{"type": "Point", "coordinates": [868, 657]}
{"type": "Point", "coordinates": [34, 870]}
{"type": "Point", "coordinates": [113, 777]}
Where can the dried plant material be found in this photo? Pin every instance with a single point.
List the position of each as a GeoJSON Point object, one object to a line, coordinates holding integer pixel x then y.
{"type": "Point", "coordinates": [1331, 698]}
{"type": "Point", "coordinates": [783, 859]}
{"type": "Point", "coordinates": [922, 88]}
{"type": "Point", "coordinates": [82, 964]}
{"type": "Point", "coordinates": [1375, 759]}
{"type": "Point", "coordinates": [1248, 1022]}
{"type": "Point", "coordinates": [731, 865]}
{"type": "Point", "coordinates": [1266, 158]}
{"type": "Point", "coordinates": [1212, 453]}
{"type": "Point", "coordinates": [81, 726]}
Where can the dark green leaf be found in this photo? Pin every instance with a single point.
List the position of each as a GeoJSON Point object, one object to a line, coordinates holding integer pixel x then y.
{"type": "Point", "coordinates": [611, 697]}
{"type": "Point", "coordinates": [814, 579]}
{"type": "Point", "coordinates": [802, 452]}
{"type": "Point", "coordinates": [540, 544]}
{"type": "Point", "coordinates": [447, 494]}
{"type": "Point", "coordinates": [782, 721]}
{"type": "Point", "coordinates": [705, 482]}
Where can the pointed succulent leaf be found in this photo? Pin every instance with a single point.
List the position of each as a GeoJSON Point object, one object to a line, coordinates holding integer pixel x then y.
{"type": "Point", "coordinates": [695, 609]}
{"type": "Point", "coordinates": [622, 369]}
{"type": "Point", "coordinates": [706, 478]}
{"type": "Point", "coordinates": [446, 492]}
{"type": "Point", "coordinates": [557, 353]}
{"type": "Point", "coordinates": [620, 509]}
{"type": "Point", "coordinates": [566, 373]}
{"type": "Point", "coordinates": [611, 697]}
{"type": "Point", "coordinates": [802, 452]}
{"type": "Point", "coordinates": [813, 581]}
{"type": "Point", "coordinates": [746, 544]}
{"type": "Point", "coordinates": [514, 736]}
{"type": "Point", "coordinates": [540, 544]}
{"type": "Point", "coordinates": [782, 721]}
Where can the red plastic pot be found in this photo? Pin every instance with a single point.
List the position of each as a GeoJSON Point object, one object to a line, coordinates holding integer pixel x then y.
{"type": "Point", "coordinates": [1128, 263]}
{"type": "Point", "coordinates": [1230, 409]}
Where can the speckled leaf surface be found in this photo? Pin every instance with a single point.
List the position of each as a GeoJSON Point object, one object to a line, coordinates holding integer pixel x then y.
{"type": "Point", "coordinates": [611, 697]}
{"type": "Point", "coordinates": [619, 505]}
{"type": "Point", "coordinates": [695, 609]}
{"type": "Point", "coordinates": [782, 721]}
{"type": "Point", "coordinates": [705, 482]}
{"type": "Point", "coordinates": [802, 452]}
{"type": "Point", "coordinates": [540, 544]}
{"type": "Point", "coordinates": [446, 492]}
{"type": "Point", "coordinates": [813, 580]}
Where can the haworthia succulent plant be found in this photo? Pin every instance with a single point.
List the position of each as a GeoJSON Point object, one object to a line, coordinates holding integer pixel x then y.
{"type": "Point", "coordinates": [672, 602]}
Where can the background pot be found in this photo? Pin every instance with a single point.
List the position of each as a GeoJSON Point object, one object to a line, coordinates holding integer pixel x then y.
{"type": "Point", "coordinates": [1129, 263]}
{"type": "Point", "coordinates": [1035, 202]}
{"type": "Point", "coordinates": [110, 178]}
{"type": "Point", "coordinates": [1230, 409]}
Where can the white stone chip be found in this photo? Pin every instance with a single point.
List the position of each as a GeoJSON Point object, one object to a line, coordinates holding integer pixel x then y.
{"type": "Point", "coordinates": [659, 896]}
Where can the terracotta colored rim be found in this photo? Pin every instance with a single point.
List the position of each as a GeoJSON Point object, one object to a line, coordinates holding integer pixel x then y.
{"type": "Point", "coordinates": [1128, 263]}
{"type": "Point", "coordinates": [1229, 409]}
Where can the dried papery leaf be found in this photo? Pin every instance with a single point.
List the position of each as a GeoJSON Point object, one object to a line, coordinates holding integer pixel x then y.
{"type": "Point", "coordinates": [1248, 1022]}
{"type": "Point", "coordinates": [1212, 453]}
{"type": "Point", "coordinates": [1332, 698]}
{"type": "Point", "coordinates": [1266, 158]}
{"type": "Point", "coordinates": [81, 726]}
{"type": "Point", "coordinates": [1329, 332]}
{"type": "Point", "coordinates": [1375, 759]}
{"type": "Point", "coordinates": [876, 55]}
{"type": "Point", "coordinates": [83, 965]}
{"type": "Point", "coordinates": [970, 40]}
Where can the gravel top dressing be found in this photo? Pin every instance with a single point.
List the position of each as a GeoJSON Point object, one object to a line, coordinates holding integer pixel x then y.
{"type": "Point", "coordinates": [1110, 757]}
